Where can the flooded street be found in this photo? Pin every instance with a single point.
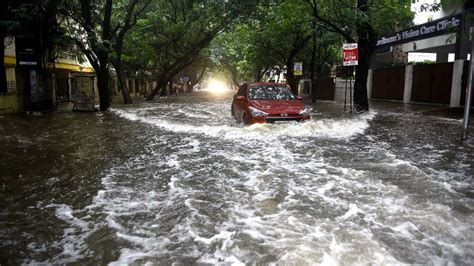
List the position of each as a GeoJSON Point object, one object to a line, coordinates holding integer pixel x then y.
{"type": "Point", "coordinates": [179, 181]}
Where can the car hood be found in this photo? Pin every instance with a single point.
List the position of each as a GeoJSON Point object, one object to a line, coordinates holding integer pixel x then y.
{"type": "Point", "coordinates": [278, 106]}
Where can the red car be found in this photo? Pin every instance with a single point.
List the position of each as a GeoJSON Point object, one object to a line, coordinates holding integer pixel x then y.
{"type": "Point", "coordinates": [267, 103]}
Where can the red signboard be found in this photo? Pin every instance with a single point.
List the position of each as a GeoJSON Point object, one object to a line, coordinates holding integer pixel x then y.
{"type": "Point", "coordinates": [349, 54]}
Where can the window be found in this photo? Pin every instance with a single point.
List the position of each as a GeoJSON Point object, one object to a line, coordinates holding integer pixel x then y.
{"type": "Point", "coordinates": [271, 93]}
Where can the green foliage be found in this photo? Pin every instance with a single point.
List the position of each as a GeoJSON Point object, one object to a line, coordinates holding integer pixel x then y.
{"type": "Point", "coordinates": [388, 16]}
{"type": "Point", "coordinates": [424, 62]}
{"type": "Point", "coordinates": [38, 17]}
{"type": "Point", "coordinates": [173, 33]}
{"type": "Point", "coordinates": [245, 38]}
{"type": "Point", "coordinates": [384, 15]}
{"type": "Point", "coordinates": [264, 42]}
{"type": "Point", "coordinates": [453, 3]}
{"type": "Point", "coordinates": [267, 40]}
{"type": "Point", "coordinates": [326, 47]}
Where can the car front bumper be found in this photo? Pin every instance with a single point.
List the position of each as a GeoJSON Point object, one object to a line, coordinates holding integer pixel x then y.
{"type": "Point", "coordinates": [279, 119]}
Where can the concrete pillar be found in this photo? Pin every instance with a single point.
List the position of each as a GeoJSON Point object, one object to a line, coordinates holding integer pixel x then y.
{"type": "Point", "coordinates": [369, 83]}
{"type": "Point", "coordinates": [408, 83]}
{"type": "Point", "coordinates": [456, 85]}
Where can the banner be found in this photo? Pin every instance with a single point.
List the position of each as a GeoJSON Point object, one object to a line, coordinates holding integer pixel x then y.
{"type": "Point", "coordinates": [431, 29]}
{"type": "Point", "coordinates": [349, 54]}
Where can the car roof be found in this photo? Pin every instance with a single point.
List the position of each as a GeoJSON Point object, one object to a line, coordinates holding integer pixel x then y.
{"type": "Point", "coordinates": [266, 84]}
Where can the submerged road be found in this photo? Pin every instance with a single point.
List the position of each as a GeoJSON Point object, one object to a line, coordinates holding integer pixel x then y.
{"type": "Point", "coordinates": [179, 181]}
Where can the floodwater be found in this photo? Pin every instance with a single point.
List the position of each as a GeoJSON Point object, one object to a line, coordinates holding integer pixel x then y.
{"type": "Point", "coordinates": [179, 181]}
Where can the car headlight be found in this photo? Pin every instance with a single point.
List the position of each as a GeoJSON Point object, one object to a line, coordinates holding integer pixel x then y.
{"type": "Point", "coordinates": [256, 112]}
{"type": "Point", "coordinates": [306, 111]}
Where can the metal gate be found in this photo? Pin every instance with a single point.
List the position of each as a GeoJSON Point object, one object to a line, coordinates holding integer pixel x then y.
{"type": "Point", "coordinates": [62, 85]}
{"type": "Point", "coordinates": [324, 89]}
{"type": "Point", "coordinates": [388, 83]}
{"type": "Point", "coordinates": [432, 83]}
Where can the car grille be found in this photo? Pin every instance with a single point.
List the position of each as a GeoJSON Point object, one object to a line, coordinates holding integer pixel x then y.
{"type": "Point", "coordinates": [281, 119]}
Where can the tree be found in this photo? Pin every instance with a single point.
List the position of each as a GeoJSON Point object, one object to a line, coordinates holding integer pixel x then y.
{"type": "Point", "coordinates": [238, 53]}
{"type": "Point", "coordinates": [268, 42]}
{"type": "Point", "coordinates": [98, 29]}
{"type": "Point", "coordinates": [196, 71]}
{"type": "Point", "coordinates": [285, 33]}
{"type": "Point", "coordinates": [90, 28]}
{"type": "Point", "coordinates": [179, 30]}
{"type": "Point", "coordinates": [126, 17]}
{"type": "Point", "coordinates": [321, 53]}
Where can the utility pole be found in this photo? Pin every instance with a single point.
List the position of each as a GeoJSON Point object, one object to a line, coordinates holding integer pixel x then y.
{"type": "Point", "coordinates": [467, 105]}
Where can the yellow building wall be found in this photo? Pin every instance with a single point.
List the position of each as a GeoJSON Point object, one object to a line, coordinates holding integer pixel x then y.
{"type": "Point", "coordinates": [11, 103]}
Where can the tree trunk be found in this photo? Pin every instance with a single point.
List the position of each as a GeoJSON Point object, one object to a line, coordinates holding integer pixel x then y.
{"type": "Point", "coordinates": [313, 58]}
{"type": "Point", "coordinates": [361, 102]}
{"type": "Point", "coordinates": [291, 79]}
{"type": "Point", "coordinates": [160, 86]}
{"type": "Point", "coordinates": [3, 74]}
{"type": "Point", "coordinates": [170, 88]}
{"type": "Point", "coordinates": [122, 82]}
{"type": "Point", "coordinates": [366, 45]}
{"type": "Point", "coordinates": [198, 79]}
{"type": "Point", "coordinates": [103, 83]}
{"type": "Point", "coordinates": [118, 64]}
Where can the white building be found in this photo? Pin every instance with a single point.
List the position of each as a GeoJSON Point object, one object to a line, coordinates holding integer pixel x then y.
{"type": "Point", "coordinates": [426, 11]}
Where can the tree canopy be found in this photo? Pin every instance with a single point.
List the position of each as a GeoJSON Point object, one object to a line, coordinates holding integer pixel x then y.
{"type": "Point", "coordinates": [247, 39]}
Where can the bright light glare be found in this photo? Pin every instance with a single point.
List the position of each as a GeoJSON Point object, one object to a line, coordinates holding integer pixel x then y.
{"type": "Point", "coordinates": [217, 86]}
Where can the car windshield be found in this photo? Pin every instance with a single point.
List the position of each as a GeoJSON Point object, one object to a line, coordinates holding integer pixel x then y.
{"type": "Point", "coordinates": [270, 92]}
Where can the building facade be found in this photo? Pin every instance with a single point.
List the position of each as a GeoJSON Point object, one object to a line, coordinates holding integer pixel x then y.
{"type": "Point", "coordinates": [442, 34]}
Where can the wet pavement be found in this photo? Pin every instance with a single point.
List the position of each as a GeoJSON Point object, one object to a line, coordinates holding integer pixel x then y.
{"type": "Point", "coordinates": [179, 181]}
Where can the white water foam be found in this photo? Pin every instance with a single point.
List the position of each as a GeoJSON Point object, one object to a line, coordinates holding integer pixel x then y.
{"type": "Point", "coordinates": [217, 199]}
{"type": "Point", "coordinates": [324, 128]}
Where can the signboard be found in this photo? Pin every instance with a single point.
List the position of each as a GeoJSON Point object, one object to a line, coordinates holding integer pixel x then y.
{"type": "Point", "coordinates": [344, 71]}
{"type": "Point", "coordinates": [27, 51]}
{"type": "Point", "coordinates": [431, 29]}
{"type": "Point", "coordinates": [349, 54]}
{"type": "Point", "coordinates": [298, 69]}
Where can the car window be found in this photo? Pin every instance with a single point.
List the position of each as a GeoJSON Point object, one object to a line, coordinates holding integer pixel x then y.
{"type": "Point", "coordinates": [270, 92]}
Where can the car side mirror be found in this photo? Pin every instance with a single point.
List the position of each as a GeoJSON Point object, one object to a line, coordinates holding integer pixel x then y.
{"type": "Point", "coordinates": [240, 97]}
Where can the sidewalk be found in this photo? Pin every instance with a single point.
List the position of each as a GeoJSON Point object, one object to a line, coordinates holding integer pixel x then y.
{"type": "Point", "coordinates": [438, 110]}
{"type": "Point", "coordinates": [336, 109]}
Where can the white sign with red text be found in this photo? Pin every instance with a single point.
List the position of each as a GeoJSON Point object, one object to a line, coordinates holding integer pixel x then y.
{"type": "Point", "coordinates": [350, 54]}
